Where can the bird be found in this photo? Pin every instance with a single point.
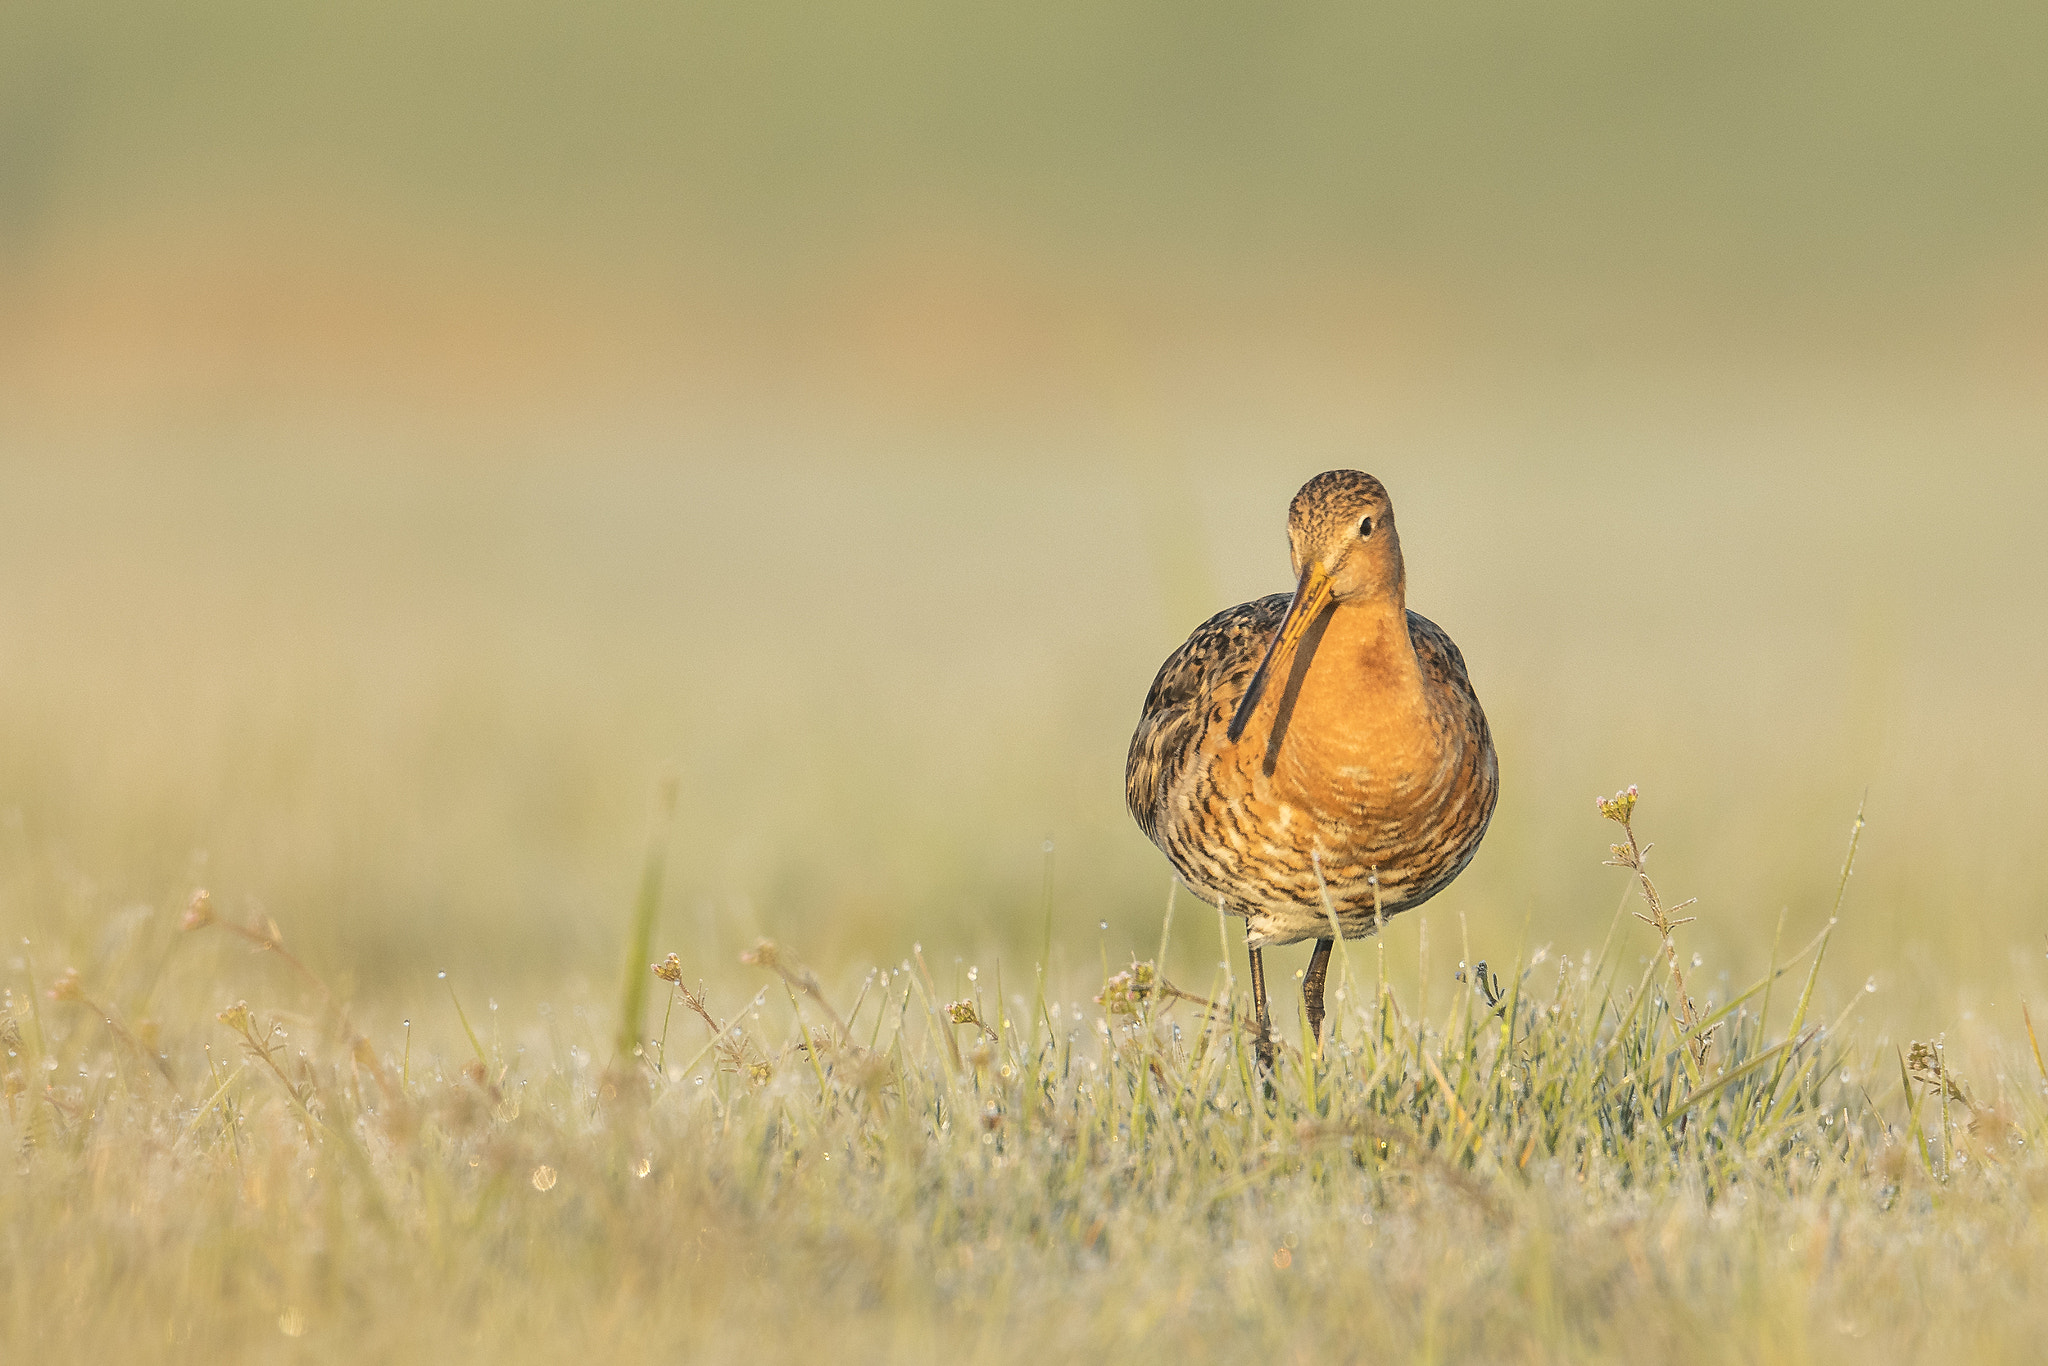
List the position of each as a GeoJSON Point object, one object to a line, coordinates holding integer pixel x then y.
{"type": "Point", "coordinates": [1316, 762]}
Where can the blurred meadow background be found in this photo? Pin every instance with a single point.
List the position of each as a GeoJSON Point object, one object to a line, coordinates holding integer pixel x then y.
{"type": "Point", "coordinates": [424, 428]}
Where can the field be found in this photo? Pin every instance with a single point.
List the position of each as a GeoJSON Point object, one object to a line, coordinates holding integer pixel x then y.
{"type": "Point", "coordinates": [490, 501]}
{"type": "Point", "coordinates": [418, 719]}
{"type": "Point", "coordinates": [1579, 1163]}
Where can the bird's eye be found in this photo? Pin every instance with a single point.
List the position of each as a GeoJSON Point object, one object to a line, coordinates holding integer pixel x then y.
{"type": "Point", "coordinates": [1365, 526]}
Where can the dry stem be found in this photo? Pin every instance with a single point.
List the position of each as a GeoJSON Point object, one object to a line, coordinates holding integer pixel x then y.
{"type": "Point", "coordinates": [1620, 808]}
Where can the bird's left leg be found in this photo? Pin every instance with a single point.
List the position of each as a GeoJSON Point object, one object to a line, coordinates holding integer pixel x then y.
{"type": "Point", "coordinates": [1263, 1023]}
{"type": "Point", "coordinates": [1312, 986]}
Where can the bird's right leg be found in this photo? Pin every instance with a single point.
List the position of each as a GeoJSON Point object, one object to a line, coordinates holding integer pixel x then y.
{"type": "Point", "coordinates": [1312, 986]}
{"type": "Point", "coordinates": [1263, 1023]}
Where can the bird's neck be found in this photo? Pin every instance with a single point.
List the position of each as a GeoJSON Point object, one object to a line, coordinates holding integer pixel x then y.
{"type": "Point", "coordinates": [1364, 678]}
{"type": "Point", "coordinates": [1367, 645]}
{"type": "Point", "coordinates": [1360, 708]}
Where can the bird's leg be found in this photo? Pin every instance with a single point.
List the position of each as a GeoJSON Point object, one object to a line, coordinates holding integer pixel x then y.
{"type": "Point", "coordinates": [1312, 986]}
{"type": "Point", "coordinates": [1262, 1023]}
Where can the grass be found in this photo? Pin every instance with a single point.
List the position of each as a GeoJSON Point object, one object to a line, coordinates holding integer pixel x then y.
{"type": "Point", "coordinates": [1571, 1160]}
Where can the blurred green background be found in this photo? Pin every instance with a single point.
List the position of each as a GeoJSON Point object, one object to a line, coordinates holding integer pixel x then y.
{"type": "Point", "coordinates": [424, 427]}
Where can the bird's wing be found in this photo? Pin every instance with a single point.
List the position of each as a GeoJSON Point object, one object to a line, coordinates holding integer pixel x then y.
{"type": "Point", "coordinates": [1197, 686]}
{"type": "Point", "coordinates": [1444, 666]}
{"type": "Point", "coordinates": [1441, 661]}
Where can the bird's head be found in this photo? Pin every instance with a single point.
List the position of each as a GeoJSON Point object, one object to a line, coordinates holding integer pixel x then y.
{"type": "Point", "coordinates": [1340, 530]}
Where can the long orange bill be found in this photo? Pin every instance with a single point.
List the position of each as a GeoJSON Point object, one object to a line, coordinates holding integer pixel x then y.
{"type": "Point", "coordinates": [1311, 595]}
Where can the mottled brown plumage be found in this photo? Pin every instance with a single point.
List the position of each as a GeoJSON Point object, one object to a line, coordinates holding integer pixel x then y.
{"type": "Point", "coordinates": [1318, 754]}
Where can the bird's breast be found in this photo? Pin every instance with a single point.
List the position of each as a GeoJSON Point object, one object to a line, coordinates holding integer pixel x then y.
{"type": "Point", "coordinates": [1352, 757]}
{"type": "Point", "coordinates": [1345, 785]}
